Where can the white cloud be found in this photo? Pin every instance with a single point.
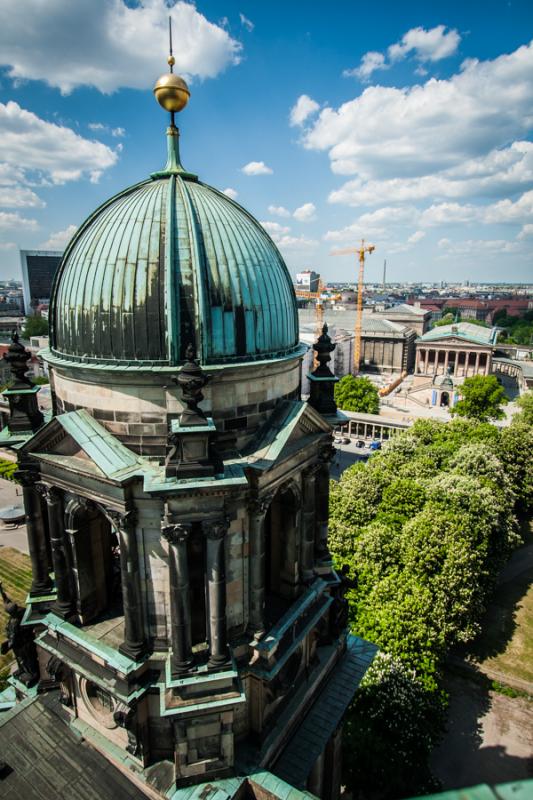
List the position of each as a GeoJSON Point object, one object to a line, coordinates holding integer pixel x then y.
{"type": "Point", "coordinates": [415, 237]}
{"type": "Point", "coordinates": [526, 232]}
{"type": "Point", "coordinates": [231, 193]}
{"type": "Point", "coordinates": [519, 211]}
{"type": "Point", "coordinates": [99, 127]}
{"type": "Point", "coordinates": [7, 245]}
{"type": "Point", "coordinates": [426, 45]}
{"type": "Point", "coordinates": [295, 243]}
{"type": "Point", "coordinates": [279, 211]}
{"type": "Point", "coordinates": [256, 168]}
{"type": "Point", "coordinates": [60, 239]}
{"type": "Point", "coordinates": [389, 215]}
{"type": "Point", "coordinates": [275, 229]}
{"type": "Point", "coordinates": [500, 171]}
{"type": "Point", "coordinates": [107, 43]}
{"type": "Point", "coordinates": [304, 107]}
{"type": "Point", "coordinates": [448, 214]}
{"type": "Point", "coordinates": [475, 247]}
{"type": "Point", "coordinates": [19, 197]}
{"type": "Point", "coordinates": [305, 213]}
{"type": "Point", "coordinates": [13, 221]}
{"type": "Point", "coordinates": [414, 132]}
{"type": "Point", "coordinates": [281, 235]}
{"type": "Point", "coordinates": [370, 62]}
{"type": "Point", "coordinates": [352, 234]}
{"type": "Point", "coordinates": [246, 23]}
{"type": "Point", "coordinates": [55, 151]}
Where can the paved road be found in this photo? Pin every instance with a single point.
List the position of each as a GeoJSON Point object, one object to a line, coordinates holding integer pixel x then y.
{"type": "Point", "coordinates": [489, 737]}
{"type": "Point", "coordinates": [346, 455]}
{"type": "Point", "coordinates": [11, 495]}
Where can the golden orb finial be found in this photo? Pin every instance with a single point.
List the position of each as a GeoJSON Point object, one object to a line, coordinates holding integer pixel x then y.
{"type": "Point", "coordinates": [171, 91]}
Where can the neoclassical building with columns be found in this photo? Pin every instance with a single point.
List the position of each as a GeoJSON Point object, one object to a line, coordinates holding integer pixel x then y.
{"type": "Point", "coordinates": [461, 350]}
{"type": "Point", "coordinates": [184, 607]}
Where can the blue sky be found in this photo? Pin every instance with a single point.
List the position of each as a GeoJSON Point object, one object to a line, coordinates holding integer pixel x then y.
{"type": "Point", "coordinates": [407, 123]}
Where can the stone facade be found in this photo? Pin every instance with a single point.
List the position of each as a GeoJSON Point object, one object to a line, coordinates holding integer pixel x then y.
{"type": "Point", "coordinates": [185, 619]}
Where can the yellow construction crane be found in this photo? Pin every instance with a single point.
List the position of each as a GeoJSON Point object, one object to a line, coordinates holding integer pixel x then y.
{"type": "Point", "coordinates": [361, 252]}
{"type": "Point", "coordinates": [319, 309]}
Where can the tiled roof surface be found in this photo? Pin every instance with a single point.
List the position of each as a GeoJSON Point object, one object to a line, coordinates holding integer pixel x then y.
{"type": "Point", "coordinates": [308, 742]}
{"type": "Point", "coordinates": [46, 760]}
{"type": "Point", "coordinates": [476, 334]}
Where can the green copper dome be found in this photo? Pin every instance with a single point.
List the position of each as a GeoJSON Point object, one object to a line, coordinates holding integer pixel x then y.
{"type": "Point", "coordinates": [168, 262]}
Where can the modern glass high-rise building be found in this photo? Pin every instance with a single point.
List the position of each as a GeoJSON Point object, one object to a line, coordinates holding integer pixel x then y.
{"type": "Point", "coordinates": [38, 270]}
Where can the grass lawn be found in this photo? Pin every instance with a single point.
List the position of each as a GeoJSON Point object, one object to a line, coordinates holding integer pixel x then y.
{"type": "Point", "coordinates": [506, 641]}
{"type": "Point", "coordinates": [15, 575]}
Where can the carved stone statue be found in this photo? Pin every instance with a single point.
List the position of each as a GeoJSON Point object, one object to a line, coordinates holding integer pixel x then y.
{"type": "Point", "coordinates": [20, 641]}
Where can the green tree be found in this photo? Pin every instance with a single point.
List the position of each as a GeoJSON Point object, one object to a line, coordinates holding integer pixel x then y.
{"type": "Point", "coordinates": [357, 394]}
{"type": "Point", "coordinates": [525, 404]}
{"type": "Point", "coordinates": [425, 526]}
{"type": "Point", "coordinates": [482, 398]}
{"type": "Point", "coordinates": [392, 726]}
{"type": "Point", "coordinates": [35, 326]}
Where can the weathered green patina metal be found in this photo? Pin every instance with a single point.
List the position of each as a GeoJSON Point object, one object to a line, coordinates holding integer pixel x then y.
{"type": "Point", "coordinates": [169, 262]}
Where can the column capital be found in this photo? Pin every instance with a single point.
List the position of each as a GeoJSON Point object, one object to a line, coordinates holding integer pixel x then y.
{"type": "Point", "coordinates": [216, 529]}
{"type": "Point", "coordinates": [326, 453]}
{"type": "Point", "coordinates": [260, 504]}
{"type": "Point", "coordinates": [121, 520]}
{"type": "Point", "coordinates": [27, 477]}
{"type": "Point", "coordinates": [51, 494]}
{"type": "Point", "coordinates": [176, 533]}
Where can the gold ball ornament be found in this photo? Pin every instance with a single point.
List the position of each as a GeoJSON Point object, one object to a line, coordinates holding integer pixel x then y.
{"type": "Point", "coordinates": [171, 92]}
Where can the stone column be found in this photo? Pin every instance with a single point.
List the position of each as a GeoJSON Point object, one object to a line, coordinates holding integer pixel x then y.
{"type": "Point", "coordinates": [216, 590]}
{"type": "Point", "coordinates": [56, 525]}
{"type": "Point", "coordinates": [134, 644]}
{"type": "Point", "coordinates": [309, 521]}
{"type": "Point", "coordinates": [180, 609]}
{"type": "Point", "coordinates": [41, 583]}
{"type": "Point", "coordinates": [446, 358]}
{"type": "Point", "coordinates": [258, 508]}
{"type": "Point", "coordinates": [456, 363]}
{"type": "Point", "coordinates": [326, 455]}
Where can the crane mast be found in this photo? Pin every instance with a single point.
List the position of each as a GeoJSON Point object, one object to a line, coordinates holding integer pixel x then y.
{"type": "Point", "coordinates": [361, 252]}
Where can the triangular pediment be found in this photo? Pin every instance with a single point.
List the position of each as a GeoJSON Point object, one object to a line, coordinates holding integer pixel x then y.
{"type": "Point", "coordinates": [445, 341]}
{"type": "Point", "coordinates": [293, 425]}
{"type": "Point", "coordinates": [78, 442]}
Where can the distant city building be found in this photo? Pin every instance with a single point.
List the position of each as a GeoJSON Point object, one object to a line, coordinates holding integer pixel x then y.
{"type": "Point", "coordinates": [307, 281]}
{"type": "Point", "coordinates": [461, 350]}
{"type": "Point", "coordinates": [38, 270]}
{"type": "Point", "coordinates": [411, 316]}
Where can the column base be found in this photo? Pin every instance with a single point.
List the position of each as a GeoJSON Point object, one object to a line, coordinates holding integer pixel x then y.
{"type": "Point", "coordinates": [217, 662]}
{"type": "Point", "coordinates": [178, 669]}
{"type": "Point", "coordinates": [63, 610]}
{"type": "Point", "coordinates": [134, 650]}
{"type": "Point", "coordinates": [41, 589]}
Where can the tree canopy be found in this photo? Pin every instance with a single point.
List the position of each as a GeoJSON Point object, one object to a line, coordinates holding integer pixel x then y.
{"type": "Point", "coordinates": [424, 526]}
{"type": "Point", "coordinates": [518, 330]}
{"type": "Point", "coordinates": [482, 399]}
{"type": "Point", "coordinates": [357, 394]}
{"type": "Point", "coordinates": [35, 326]}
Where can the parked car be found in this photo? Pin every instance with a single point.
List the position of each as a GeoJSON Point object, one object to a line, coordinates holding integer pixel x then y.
{"type": "Point", "coordinates": [375, 445]}
{"type": "Point", "coordinates": [359, 443]}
